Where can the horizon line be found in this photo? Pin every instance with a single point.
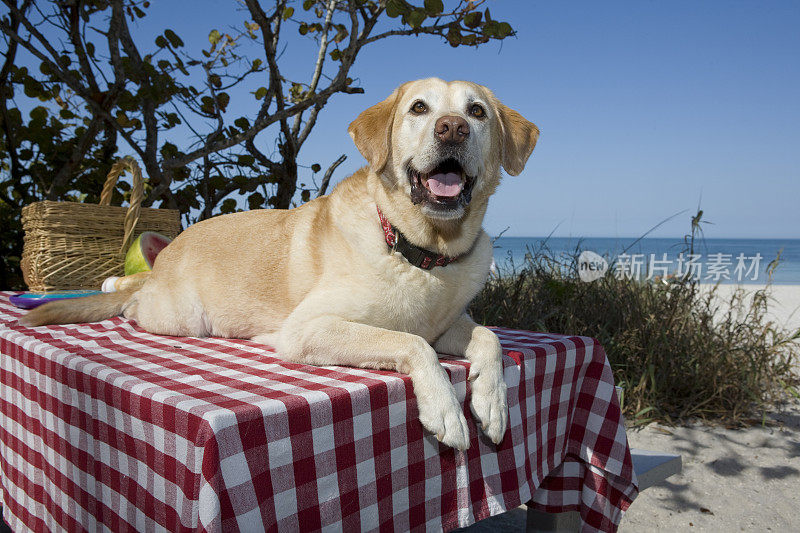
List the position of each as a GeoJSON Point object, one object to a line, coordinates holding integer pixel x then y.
{"type": "Point", "coordinates": [542, 237]}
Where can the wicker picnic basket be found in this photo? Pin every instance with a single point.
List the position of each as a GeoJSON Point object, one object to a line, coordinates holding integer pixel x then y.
{"type": "Point", "coordinates": [69, 245]}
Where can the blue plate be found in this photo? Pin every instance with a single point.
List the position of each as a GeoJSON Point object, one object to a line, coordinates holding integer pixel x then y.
{"type": "Point", "coordinates": [29, 300]}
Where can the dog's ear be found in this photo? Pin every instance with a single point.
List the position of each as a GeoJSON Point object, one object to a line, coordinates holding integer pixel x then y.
{"type": "Point", "coordinates": [518, 137]}
{"type": "Point", "coordinates": [372, 129]}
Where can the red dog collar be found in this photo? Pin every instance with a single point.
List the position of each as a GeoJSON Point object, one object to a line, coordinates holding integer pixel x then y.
{"type": "Point", "coordinates": [419, 257]}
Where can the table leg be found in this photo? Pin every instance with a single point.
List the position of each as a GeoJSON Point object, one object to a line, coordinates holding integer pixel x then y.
{"type": "Point", "coordinates": [541, 522]}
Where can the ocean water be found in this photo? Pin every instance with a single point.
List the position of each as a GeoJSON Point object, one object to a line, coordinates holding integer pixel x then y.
{"type": "Point", "coordinates": [724, 260]}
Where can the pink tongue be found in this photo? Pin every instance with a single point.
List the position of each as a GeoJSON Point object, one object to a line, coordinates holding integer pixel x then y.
{"type": "Point", "coordinates": [447, 185]}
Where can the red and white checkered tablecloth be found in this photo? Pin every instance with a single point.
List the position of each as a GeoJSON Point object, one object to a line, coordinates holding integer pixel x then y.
{"type": "Point", "coordinates": [105, 426]}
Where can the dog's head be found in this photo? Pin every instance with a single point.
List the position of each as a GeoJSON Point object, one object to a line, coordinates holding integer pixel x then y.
{"type": "Point", "coordinates": [443, 143]}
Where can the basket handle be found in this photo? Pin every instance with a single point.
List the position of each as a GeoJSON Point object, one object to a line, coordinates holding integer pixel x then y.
{"type": "Point", "coordinates": [137, 193]}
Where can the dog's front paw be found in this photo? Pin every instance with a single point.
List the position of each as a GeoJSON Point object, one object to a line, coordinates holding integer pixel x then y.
{"type": "Point", "coordinates": [439, 409]}
{"type": "Point", "coordinates": [443, 417]}
{"type": "Point", "coordinates": [489, 401]}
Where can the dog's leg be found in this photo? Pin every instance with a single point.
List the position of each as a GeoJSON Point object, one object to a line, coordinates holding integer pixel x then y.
{"type": "Point", "coordinates": [331, 340]}
{"type": "Point", "coordinates": [482, 348]}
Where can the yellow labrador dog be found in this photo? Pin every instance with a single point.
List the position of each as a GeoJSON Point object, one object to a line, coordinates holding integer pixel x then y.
{"type": "Point", "coordinates": [376, 274]}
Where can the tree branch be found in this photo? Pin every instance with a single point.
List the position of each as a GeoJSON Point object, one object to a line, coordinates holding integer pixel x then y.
{"type": "Point", "coordinates": [150, 159]}
{"type": "Point", "coordinates": [5, 94]}
{"type": "Point", "coordinates": [323, 48]}
{"type": "Point", "coordinates": [75, 158]}
{"type": "Point", "coordinates": [323, 187]}
{"type": "Point", "coordinates": [260, 124]}
{"type": "Point", "coordinates": [347, 60]}
{"type": "Point", "coordinates": [31, 29]}
{"type": "Point", "coordinates": [113, 50]}
{"type": "Point", "coordinates": [431, 30]}
{"type": "Point", "coordinates": [73, 84]}
{"type": "Point", "coordinates": [72, 18]}
{"type": "Point", "coordinates": [250, 146]}
{"type": "Point", "coordinates": [11, 53]}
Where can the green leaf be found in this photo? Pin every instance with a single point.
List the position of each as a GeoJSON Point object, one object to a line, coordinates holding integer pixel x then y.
{"type": "Point", "coordinates": [215, 80]}
{"type": "Point", "coordinates": [416, 18]}
{"type": "Point", "coordinates": [245, 159]}
{"type": "Point", "coordinates": [305, 195]}
{"type": "Point", "coordinates": [122, 119]}
{"type": "Point", "coordinates": [217, 182]}
{"type": "Point", "coordinates": [228, 206]}
{"type": "Point", "coordinates": [172, 119]}
{"type": "Point", "coordinates": [255, 200]}
{"type": "Point", "coordinates": [287, 13]}
{"type": "Point", "coordinates": [214, 37]}
{"type": "Point", "coordinates": [434, 7]}
{"type": "Point", "coordinates": [316, 167]}
{"type": "Point", "coordinates": [251, 28]}
{"type": "Point", "coordinates": [174, 40]}
{"type": "Point", "coordinates": [303, 29]}
{"type": "Point", "coordinates": [504, 29]}
{"type": "Point", "coordinates": [644, 411]}
{"type": "Point", "coordinates": [161, 42]}
{"type": "Point", "coordinates": [395, 8]}
{"type": "Point", "coordinates": [207, 105]}
{"type": "Point", "coordinates": [240, 182]}
{"type": "Point", "coordinates": [261, 92]}
{"type": "Point", "coordinates": [242, 123]}
{"type": "Point", "coordinates": [169, 150]}
{"type": "Point", "coordinates": [223, 99]}
{"type": "Point", "coordinates": [454, 37]}
{"type": "Point", "coordinates": [490, 28]}
{"type": "Point", "coordinates": [39, 113]}
{"type": "Point", "coordinates": [308, 4]}
{"type": "Point", "coordinates": [336, 55]}
{"type": "Point", "coordinates": [473, 20]}
{"type": "Point", "coordinates": [341, 34]}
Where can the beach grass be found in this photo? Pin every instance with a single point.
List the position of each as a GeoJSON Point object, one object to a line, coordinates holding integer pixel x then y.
{"type": "Point", "coordinates": [677, 351]}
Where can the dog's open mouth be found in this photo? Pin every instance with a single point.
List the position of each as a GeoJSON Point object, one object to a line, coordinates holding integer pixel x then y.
{"type": "Point", "coordinates": [445, 187]}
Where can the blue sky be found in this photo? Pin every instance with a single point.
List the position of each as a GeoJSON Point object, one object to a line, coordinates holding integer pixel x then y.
{"type": "Point", "coordinates": [646, 109]}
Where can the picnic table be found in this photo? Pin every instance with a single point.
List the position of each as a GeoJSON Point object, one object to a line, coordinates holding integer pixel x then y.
{"type": "Point", "coordinates": [105, 426]}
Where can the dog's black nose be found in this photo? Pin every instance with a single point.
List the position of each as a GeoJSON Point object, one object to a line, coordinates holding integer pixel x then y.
{"type": "Point", "coordinates": [451, 129]}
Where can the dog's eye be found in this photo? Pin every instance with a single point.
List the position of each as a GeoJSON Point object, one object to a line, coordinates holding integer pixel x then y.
{"type": "Point", "coordinates": [477, 111]}
{"type": "Point", "coordinates": [419, 107]}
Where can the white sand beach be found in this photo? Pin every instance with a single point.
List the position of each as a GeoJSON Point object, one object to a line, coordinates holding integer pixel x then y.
{"type": "Point", "coordinates": [784, 301]}
{"type": "Point", "coordinates": [732, 479]}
